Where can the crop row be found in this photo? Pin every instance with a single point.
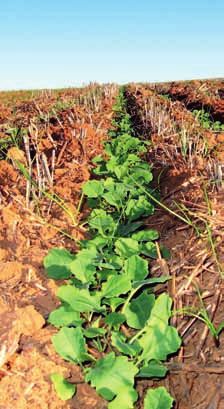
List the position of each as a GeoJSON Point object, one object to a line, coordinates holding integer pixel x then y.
{"type": "Point", "coordinates": [196, 95]}
{"type": "Point", "coordinates": [111, 323]}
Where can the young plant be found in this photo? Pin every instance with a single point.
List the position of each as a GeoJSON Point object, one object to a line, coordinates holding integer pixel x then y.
{"type": "Point", "coordinates": [202, 315]}
{"type": "Point", "coordinates": [108, 305]}
{"type": "Point", "coordinates": [206, 122]}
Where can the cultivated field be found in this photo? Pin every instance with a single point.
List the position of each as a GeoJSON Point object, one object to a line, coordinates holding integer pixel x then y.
{"type": "Point", "coordinates": [111, 246]}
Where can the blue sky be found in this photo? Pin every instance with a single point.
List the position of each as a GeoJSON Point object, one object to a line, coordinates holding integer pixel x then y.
{"type": "Point", "coordinates": [49, 44]}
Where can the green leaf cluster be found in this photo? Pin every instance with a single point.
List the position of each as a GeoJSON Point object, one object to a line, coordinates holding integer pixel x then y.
{"type": "Point", "coordinates": [206, 121]}
{"type": "Point", "coordinates": [108, 302]}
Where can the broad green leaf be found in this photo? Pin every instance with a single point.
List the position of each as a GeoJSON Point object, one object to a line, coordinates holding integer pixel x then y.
{"type": "Point", "coordinates": [115, 319]}
{"type": "Point", "coordinates": [118, 341]}
{"type": "Point", "coordinates": [80, 299]}
{"type": "Point", "coordinates": [64, 389]}
{"type": "Point", "coordinates": [94, 332]}
{"type": "Point", "coordinates": [121, 171]}
{"type": "Point", "coordinates": [57, 263]}
{"type": "Point", "coordinates": [132, 158]}
{"type": "Point", "coordinates": [116, 194]}
{"type": "Point", "coordinates": [138, 310]}
{"type": "Point", "coordinates": [108, 266]}
{"type": "Point", "coordinates": [153, 370]}
{"type": "Point", "coordinates": [78, 284]}
{"type": "Point", "coordinates": [145, 235]}
{"type": "Point", "coordinates": [65, 316]}
{"type": "Point", "coordinates": [113, 259]}
{"type": "Point", "coordinates": [104, 274]}
{"type": "Point", "coordinates": [113, 198]}
{"type": "Point", "coordinates": [138, 208]}
{"type": "Point", "coordinates": [161, 310]}
{"type": "Point", "coordinates": [144, 165]}
{"type": "Point", "coordinates": [113, 376]}
{"type": "Point", "coordinates": [70, 345]}
{"type": "Point", "coordinates": [151, 281]}
{"type": "Point", "coordinates": [126, 229]}
{"type": "Point", "coordinates": [126, 247]}
{"type": "Point", "coordinates": [148, 207]}
{"type": "Point", "coordinates": [109, 183]}
{"type": "Point", "coordinates": [126, 144]}
{"type": "Point", "coordinates": [141, 175]}
{"type": "Point", "coordinates": [132, 211]}
{"type": "Point", "coordinates": [158, 398]}
{"type": "Point", "coordinates": [93, 188]}
{"type": "Point", "coordinates": [124, 399]}
{"type": "Point", "coordinates": [97, 159]}
{"type": "Point", "coordinates": [159, 339]}
{"type": "Point", "coordinates": [114, 302]}
{"type": "Point", "coordinates": [115, 286]}
{"type": "Point", "coordinates": [91, 254]}
{"type": "Point", "coordinates": [95, 256]}
{"type": "Point", "coordinates": [107, 148]}
{"type": "Point", "coordinates": [136, 268]}
{"type": "Point", "coordinates": [82, 267]}
{"type": "Point", "coordinates": [149, 249]}
{"type": "Point", "coordinates": [122, 190]}
{"type": "Point", "coordinates": [101, 170]}
{"type": "Point", "coordinates": [112, 134]}
{"type": "Point", "coordinates": [112, 164]}
{"type": "Point", "coordinates": [101, 221]}
{"type": "Point", "coordinates": [93, 203]}
{"type": "Point", "coordinates": [97, 242]}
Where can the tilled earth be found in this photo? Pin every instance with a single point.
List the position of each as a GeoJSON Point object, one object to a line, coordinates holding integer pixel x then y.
{"type": "Point", "coordinates": [73, 136]}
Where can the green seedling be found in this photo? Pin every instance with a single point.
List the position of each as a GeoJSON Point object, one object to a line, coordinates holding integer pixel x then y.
{"type": "Point", "coordinates": [202, 315]}
{"type": "Point", "coordinates": [108, 303]}
{"type": "Point", "coordinates": [165, 96]}
{"type": "Point", "coordinates": [14, 137]}
{"type": "Point", "coordinates": [206, 122]}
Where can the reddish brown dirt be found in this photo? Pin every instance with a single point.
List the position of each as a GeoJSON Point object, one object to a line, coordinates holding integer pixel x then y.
{"type": "Point", "coordinates": [196, 375]}
{"type": "Point", "coordinates": [207, 94]}
{"type": "Point", "coordinates": [27, 296]}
